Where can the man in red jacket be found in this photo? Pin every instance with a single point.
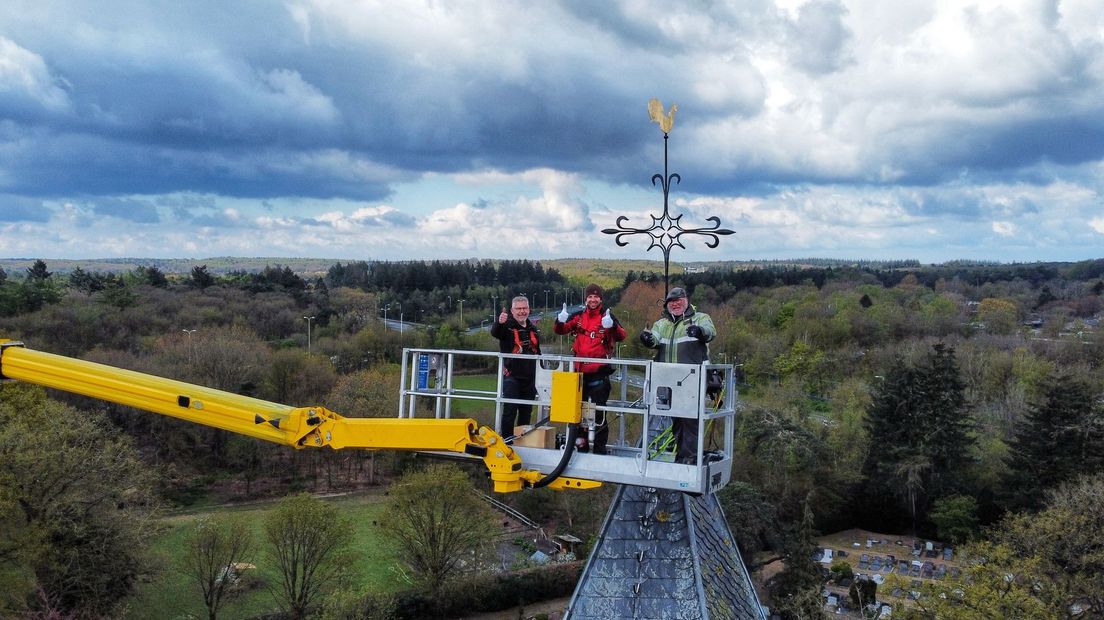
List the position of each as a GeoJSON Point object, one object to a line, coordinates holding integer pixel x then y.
{"type": "Point", "coordinates": [595, 330]}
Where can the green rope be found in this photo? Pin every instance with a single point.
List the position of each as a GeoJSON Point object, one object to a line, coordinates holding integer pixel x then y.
{"type": "Point", "coordinates": [662, 442]}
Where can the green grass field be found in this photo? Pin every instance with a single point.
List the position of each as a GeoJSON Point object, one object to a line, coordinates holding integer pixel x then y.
{"type": "Point", "coordinates": [486, 383]}
{"type": "Point", "coordinates": [170, 595]}
{"type": "Point", "coordinates": [482, 411]}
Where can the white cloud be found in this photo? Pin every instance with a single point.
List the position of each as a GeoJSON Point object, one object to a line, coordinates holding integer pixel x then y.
{"type": "Point", "coordinates": [286, 89]}
{"type": "Point", "coordinates": [1097, 224]}
{"type": "Point", "coordinates": [25, 76]}
{"type": "Point", "coordinates": [364, 219]}
{"type": "Point", "coordinates": [557, 207]}
{"type": "Point", "coordinates": [1004, 229]}
{"type": "Point", "coordinates": [274, 223]}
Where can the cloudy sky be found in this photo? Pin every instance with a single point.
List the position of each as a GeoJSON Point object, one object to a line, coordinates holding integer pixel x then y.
{"type": "Point", "coordinates": [403, 129]}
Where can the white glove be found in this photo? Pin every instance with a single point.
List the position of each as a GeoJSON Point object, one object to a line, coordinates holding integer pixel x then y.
{"type": "Point", "coordinates": [563, 315]}
{"type": "Point", "coordinates": [607, 320]}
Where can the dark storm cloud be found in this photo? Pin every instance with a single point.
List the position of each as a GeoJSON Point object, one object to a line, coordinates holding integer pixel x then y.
{"type": "Point", "coordinates": [63, 165]}
{"type": "Point", "coordinates": [990, 151]}
{"type": "Point", "coordinates": [130, 209]}
{"type": "Point", "coordinates": [637, 30]}
{"type": "Point", "coordinates": [819, 37]}
{"type": "Point", "coordinates": [189, 105]}
{"type": "Point", "coordinates": [22, 209]}
{"type": "Point", "coordinates": [1067, 141]}
{"type": "Point", "coordinates": [398, 219]}
{"type": "Point", "coordinates": [964, 204]}
{"type": "Point", "coordinates": [182, 203]}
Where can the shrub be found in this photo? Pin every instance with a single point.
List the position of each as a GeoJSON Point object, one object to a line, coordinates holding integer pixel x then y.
{"type": "Point", "coordinates": [841, 569]}
{"type": "Point", "coordinates": [363, 605]}
{"type": "Point", "coordinates": [491, 592]}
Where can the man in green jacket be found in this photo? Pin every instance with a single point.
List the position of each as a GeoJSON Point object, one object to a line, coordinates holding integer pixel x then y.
{"type": "Point", "coordinates": [681, 336]}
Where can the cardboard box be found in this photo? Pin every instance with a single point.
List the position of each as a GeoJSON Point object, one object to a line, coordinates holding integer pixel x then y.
{"type": "Point", "coordinates": [542, 437]}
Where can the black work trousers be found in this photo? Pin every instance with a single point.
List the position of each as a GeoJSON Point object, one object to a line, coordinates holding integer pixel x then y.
{"type": "Point", "coordinates": [514, 414]}
{"type": "Point", "coordinates": [596, 389]}
{"type": "Point", "coordinates": [686, 440]}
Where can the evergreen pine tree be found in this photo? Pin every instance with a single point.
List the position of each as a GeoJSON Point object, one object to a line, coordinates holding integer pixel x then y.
{"type": "Point", "coordinates": [38, 271]}
{"type": "Point", "coordinates": [919, 431]}
{"type": "Point", "coordinates": [1061, 437]}
{"type": "Point", "coordinates": [201, 278]}
{"type": "Point", "coordinates": [799, 584]}
{"type": "Point", "coordinates": [891, 425]}
{"type": "Point", "coordinates": [947, 427]}
{"type": "Point", "coordinates": [892, 421]}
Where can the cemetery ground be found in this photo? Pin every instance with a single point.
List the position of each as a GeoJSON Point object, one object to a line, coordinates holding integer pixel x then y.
{"type": "Point", "coordinates": [898, 564]}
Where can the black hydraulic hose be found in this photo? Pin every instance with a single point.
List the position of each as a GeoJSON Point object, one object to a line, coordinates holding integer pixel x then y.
{"type": "Point", "coordinates": [569, 449]}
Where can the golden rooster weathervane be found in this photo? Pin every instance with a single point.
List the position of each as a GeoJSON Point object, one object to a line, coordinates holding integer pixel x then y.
{"type": "Point", "coordinates": [665, 231]}
{"type": "Point", "coordinates": [665, 121]}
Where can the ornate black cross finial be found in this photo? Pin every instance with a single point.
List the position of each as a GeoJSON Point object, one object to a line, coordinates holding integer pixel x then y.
{"type": "Point", "coordinates": [666, 231]}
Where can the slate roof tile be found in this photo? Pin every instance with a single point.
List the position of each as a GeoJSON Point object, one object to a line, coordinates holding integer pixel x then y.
{"type": "Point", "coordinates": [665, 554]}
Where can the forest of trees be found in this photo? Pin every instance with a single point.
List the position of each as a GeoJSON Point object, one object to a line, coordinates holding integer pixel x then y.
{"type": "Point", "coordinates": [959, 401]}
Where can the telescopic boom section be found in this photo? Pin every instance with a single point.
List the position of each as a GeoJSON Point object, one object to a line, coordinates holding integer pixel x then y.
{"type": "Point", "coordinates": [299, 427]}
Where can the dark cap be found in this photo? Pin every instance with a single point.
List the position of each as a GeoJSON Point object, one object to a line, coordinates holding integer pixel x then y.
{"type": "Point", "coordinates": [593, 289]}
{"type": "Point", "coordinates": [675, 293]}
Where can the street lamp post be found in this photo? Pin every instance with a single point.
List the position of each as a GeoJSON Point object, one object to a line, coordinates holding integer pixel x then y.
{"type": "Point", "coordinates": [309, 319]}
{"type": "Point", "coordinates": [191, 343]}
{"type": "Point", "coordinates": [546, 306]}
{"type": "Point", "coordinates": [461, 302]}
{"type": "Point", "coordinates": [482, 324]}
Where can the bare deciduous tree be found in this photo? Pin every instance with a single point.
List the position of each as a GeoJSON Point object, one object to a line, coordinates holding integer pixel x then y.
{"type": "Point", "coordinates": [438, 520]}
{"type": "Point", "coordinates": [309, 540]}
{"type": "Point", "coordinates": [212, 549]}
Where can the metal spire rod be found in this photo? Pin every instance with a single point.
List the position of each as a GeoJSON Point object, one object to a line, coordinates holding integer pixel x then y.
{"type": "Point", "coordinates": [666, 231]}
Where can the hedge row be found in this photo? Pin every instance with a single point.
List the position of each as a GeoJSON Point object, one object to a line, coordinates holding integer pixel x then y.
{"type": "Point", "coordinates": [490, 592]}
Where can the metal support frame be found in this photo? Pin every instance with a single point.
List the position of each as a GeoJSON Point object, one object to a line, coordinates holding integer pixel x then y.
{"type": "Point", "coordinates": [631, 459]}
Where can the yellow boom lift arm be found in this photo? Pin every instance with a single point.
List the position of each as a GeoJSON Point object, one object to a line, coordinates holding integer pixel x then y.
{"type": "Point", "coordinates": [298, 427]}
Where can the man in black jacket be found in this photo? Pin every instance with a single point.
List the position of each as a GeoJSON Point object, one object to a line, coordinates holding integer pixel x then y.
{"type": "Point", "coordinates": [517, 334]}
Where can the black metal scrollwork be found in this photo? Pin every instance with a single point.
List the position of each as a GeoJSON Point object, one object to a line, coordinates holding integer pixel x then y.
{"type": "Point", "coordinates": [666, 231]}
